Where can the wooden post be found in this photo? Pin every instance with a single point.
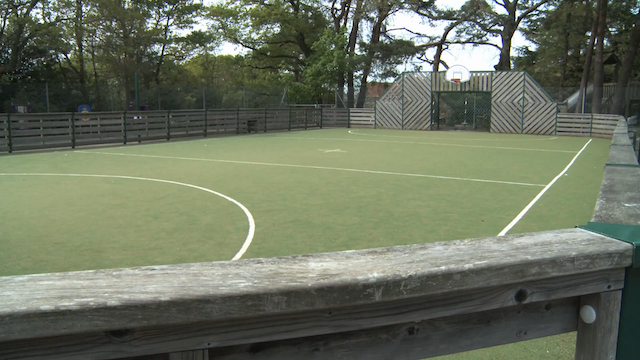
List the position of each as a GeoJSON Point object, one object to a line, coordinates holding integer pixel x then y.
{"type": "Point", "coordinates": [168, 125]}
{"type": "Point", "coordinates": [598, 341]}
{"type": "Point", "coordinates": [206, 126]}
{"type": "Point", "coordinates": [73, 130]}
{"type": "Point", "coordinates": [124, 128]}
{"type": "Point", "coordinates": [9, 132]}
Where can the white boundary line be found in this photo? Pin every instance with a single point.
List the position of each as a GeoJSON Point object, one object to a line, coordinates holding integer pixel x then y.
{"type": "Point", "coordinates": [311, 167]}
{"type": "Point", "coordinates": [429, 143]}
{"type": "Point", "coordinates": [530, 205]}
{"type": "Point", "coordinates": [410, 137]}
{"type": "Point", "coordinates": [252, 224]}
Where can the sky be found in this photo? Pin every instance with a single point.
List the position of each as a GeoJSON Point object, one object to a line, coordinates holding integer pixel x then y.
{"type": "Point", "coordinates": [479, 58]}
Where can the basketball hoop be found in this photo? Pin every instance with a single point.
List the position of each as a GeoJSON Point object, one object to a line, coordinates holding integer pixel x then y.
{"type": "Point", "coordinates": [458, 74]}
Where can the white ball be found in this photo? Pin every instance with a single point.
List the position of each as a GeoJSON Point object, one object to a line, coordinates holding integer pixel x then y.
{"type": "Point", "coordinates": [588, 314]}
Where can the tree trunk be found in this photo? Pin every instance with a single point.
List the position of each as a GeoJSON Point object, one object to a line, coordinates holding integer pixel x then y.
{"type": "Point", "coordinates": [587, 62]}
{"type": "Point", "coordinates": [598, 70]}
{"type": "Point", "coordinates": [505, 51]}
{"type": "Point", "coordinates": [567, 35]}
{"type": "Point", "coordinates": [509, 29]}
{"type": "Point", "coordinates": [353, 37]}
{"type": "Point", "coordinates": [79, 38]}
{"type": "Point", "coordinates": [627, 67]}
{"type": "Point", "coordinates": [383, 13]}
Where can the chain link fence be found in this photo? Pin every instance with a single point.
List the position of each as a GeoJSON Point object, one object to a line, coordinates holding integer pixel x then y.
{"type": "Point", "coordinates": [59, 97]}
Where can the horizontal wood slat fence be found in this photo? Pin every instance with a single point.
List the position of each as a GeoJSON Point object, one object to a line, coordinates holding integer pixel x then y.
{"type": "Point", "coordinates": [591, 125]}
{"type": "Point", "coordinates": [405, 302]}
{"type": "Point", "coordinates": [70, 130]}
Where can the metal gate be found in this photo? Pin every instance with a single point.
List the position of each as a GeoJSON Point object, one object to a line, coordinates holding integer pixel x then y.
{"type": "Point", "coordinates": [462, 111]}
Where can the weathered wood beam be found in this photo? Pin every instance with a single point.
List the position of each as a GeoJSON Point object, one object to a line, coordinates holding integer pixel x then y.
{"type": "Point", "coordinates": [174, 338]}
{"type": "Point", "coordinates": [598, 341]}
{"type": "Point", "coordinates": [129, 312]}
{"type": "Point", "coordinates": [423, 339]}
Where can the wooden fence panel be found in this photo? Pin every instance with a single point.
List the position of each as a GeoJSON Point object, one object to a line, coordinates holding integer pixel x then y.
{"type": "Point", "coordinates": [416, 110]}
{"type": "Point", "coordinates": [99, 128]}
{"type": "Point", "coordinates": [4, 133]}
{"type": "Point", "coordinates": [278, 119]}
{"type": "Point", "coordinates": [298, 118]}
{"type": "Point", "coordinates": [507, 102]}
{"type": "Point", "coordinates": [539, 109]}
{"type": "Point", "coordinates": [147, 126]}
{"type": "Point", "coordinates": [253, 118]}
{"type": "Point", "coordinates": [479, 81]}
{"type": "Point", "coordinates": [187, 123]}
{"type": "Point", "coordinates": [41, 131]}
{"type": "Point", "coordinates": [335, 118]}
{"type": "Point", "coordinates": [222, 121]}
{"type": "Point", "coordinates": [590, 125]}
{"type": "Point", "coordinates": [362, 117]}
{"type": "Point", "coordinates": [314, 118]}
{"type": "Point", "coordinates": [389, 108]}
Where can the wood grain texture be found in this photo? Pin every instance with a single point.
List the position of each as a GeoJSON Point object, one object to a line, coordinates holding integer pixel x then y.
{"type": "Point", "coordinates": [599, 340]}
{"type": "Point", "coordinates": [174, 338]}
{"type": "Point", "coordinates": [65, 303]}
{"type": "Point", "coordinates": [423, 339]}
{"type": "Point", "coordinates": [190, 355]}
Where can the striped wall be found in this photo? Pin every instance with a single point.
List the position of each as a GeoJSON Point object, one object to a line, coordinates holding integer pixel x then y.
{"type": "Point", "coordinates": [389, 108]}
{"type": "Point", "coordinates": [518, 102]}
{"type": "Point", "coordinates": [539, 109]}
{"type": "Point", "coordinates": [480, 81]}
{"type": "Point", "coordinates": [416, 103]}
{"type": "Point", "coordinates": [506, 102]}
{"type": "Point", "coordinates": [520, 105]}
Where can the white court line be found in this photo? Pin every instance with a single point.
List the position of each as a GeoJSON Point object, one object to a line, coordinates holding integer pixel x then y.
{"type": "Point", "coordinates": [526, 209]}
{"type": "Point", "coordinates": [428, 143]}
{"type": "Point", "coordinates": [313, 167]}
{"type": "Point", "coordinates": [252, 224]}
{"type": "Point", "coordinates": [409, 137]}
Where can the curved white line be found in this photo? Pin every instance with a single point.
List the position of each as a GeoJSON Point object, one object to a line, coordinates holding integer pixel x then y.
{"type": "Point", "coordinates": [252, 224]}
{"type": "Point", "coordinates": [411, 137]}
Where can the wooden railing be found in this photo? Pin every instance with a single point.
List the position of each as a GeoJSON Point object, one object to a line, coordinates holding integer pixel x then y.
{"type": "Point", "coordinates": [70, 130]}
{"type": "Point", "coordinates": [406, 302]}
{"type": "Point", "coordinates": [590, 125]}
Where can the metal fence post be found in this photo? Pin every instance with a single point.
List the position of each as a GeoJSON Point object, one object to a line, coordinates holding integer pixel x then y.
{"type": "Point", "coordinates": [306, 115]}
{"type": "Point", "coordinates": [206, 126]}
{"type": "Point", "coordinates": [9, 132]}
{"type": "Point", "coordinates": [168, 125]}
{"type": "Point", "coordinates": [321, 116]}
{"type": "Point", "coordinates": [591, 125]}
{"type": "Point", "coordinates": [402, 104]}
{"type": "Point", "coordinates": [265, 119]}
{"type": "Point", "coordinates": [524, 87]}
{"type": "Point", "coordinates": [375, 114]}
{"type": "Point", "coordinates": [124, 127]}
{"type": "Point", "coordinates": [555, 131]}
{"type": "Point", "coordinates": [290, 118]}
{"type": "Point", "coordinates": [73, 130]}
{"type": "Point", "coordinates": [348, 118]}
{"type": "Point", "coordinates": [238, 121]}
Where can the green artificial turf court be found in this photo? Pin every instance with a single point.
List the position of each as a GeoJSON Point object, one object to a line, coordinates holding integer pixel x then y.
{"type": "Point", "coordinates": [304, 191]}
